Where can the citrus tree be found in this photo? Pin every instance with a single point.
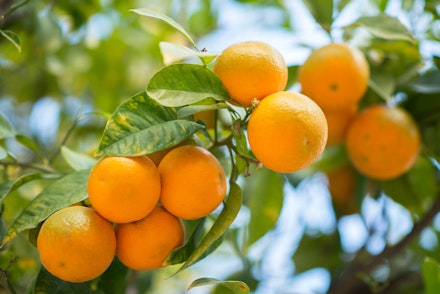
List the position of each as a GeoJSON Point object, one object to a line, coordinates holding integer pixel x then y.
{"type": "Point", "coordinates": [147, 175]}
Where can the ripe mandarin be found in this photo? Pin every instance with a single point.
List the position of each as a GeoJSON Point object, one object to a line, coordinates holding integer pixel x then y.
{"type": "Point", "coordinates": [193, 182]}
{"type": "Point", "coordinates": [124, 189]}
{"type": "Point", "coordinates": [335, 76]}
{"type": "Point", "coordinates": [251, 70]}
{"type": "Point", "coordinates": [383, 142]}
{"type": "Point", "coordinates": [287, 131]}
{"type": "Point", "coordinates": [76, 244]}
{"type": "Point", "coordinates": [145, 244]}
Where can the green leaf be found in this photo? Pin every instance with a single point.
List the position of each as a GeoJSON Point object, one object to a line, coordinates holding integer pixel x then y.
{"type": "Point", "coordinates": [385, 27]}
{"type": "Point", "coordinates": [182, 253]}
{"type": "Point", "coordinates": [3, 153]}
{"type": "Point", "coordinates": [141, 126]}
{"type": "Point", "coordinates": [318, 251]}
{"type": "Point", "coordinates": [192, 109]}
{"type": "Point", "coordinates": [66, 191]}
{"type": "Point", "coordinates": [27, 142]}
{"type": "Point", "coordinates": [155, 14]}
{"type": "Point", "coordinates": [10, 186]}
{"type": "Point", "coordinates": [423, 179]}
{"type": "Point", "coordinates": [76, 160]}
{"type": "Point", "coordinates": [11, 37]}
{"type": "Point", "coordinates": [220, 226]}
{"type": "Point", "coordinates": [322, 12]}
{"type": "Point", "coordinates": [292, 76]}
{"type": "Point", "coordinates": [172, 53]}
{"type": "Point", "coordinates": [264, 197]}
{"type": "Point", "coordinates": [6, 129]}
{"type": "Point", "coordinates": [183, 84]}
{"type": "Point", "coordinates": [237, 287]}
{"type": "Point", "coordinates": [427, 83]}
{"type": "Point", "coordinates": [401, 191]}
{"type": "Point", "coordinates": [114, 279]}
{"type": "Point", "coordinates": [431, 276]}
{"type": "Point", "coordinates": [47, 283]}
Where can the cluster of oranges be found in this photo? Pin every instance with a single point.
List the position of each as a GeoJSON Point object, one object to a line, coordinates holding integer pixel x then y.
{"type": "Point", "coordinates": [382, 141]}
{"type": "Point", "coordinates": [287, 130]}
{"type": "Point", "coordinates": [136, 212]}
{"type": "Point", "coordinates": [138, 203]}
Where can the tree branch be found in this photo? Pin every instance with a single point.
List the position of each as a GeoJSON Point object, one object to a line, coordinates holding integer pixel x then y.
{"type": "Point", "coordinates": [349, 282]}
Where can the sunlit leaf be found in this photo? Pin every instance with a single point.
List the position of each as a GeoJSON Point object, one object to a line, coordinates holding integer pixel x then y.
{"type": "Point", "coordinates": [385, 27]}
{"type": "Point", "coordinates": [172, 53]}
{"type": "Point", "coordinates": [224, 220]}
{"type": "Point", "coordinates": [11, 37]}
{"type": "Point", "coordinates": [322, 12]}
{"type": "Point", "coordinates": [6, 129]}
{"type": "Point", "coordinates": [237, 287]}
{"type": "Point", "coordinates": [264, 197]}
{"type": "Point", "coordinates": [66, 191]}
{"type": "Point", "coordinates": [10, 186]}
{"type": "Point", "coordinates": [3, 153]}
{"type": "Point", "coordinates": [76, 160]}
{"type": "Point", "coordinates": [27, 142]}
{"type": "Point", "coordinates": [141, 126]}
{"type": "Point", "coordinates": [155, 14]}
{"type": "Point", "coordinates": [431, 276]}
{"type": "Point", "coordinates": [183, 84]}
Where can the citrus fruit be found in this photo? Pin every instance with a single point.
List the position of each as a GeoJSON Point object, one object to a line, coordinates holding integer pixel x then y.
{"type": "Point", "coordinates": [193, 182]}
{"type": "Point", "coordinates": [76, 244]}
{"type": "Point", "coordinates": [287, 131]}
{"type": "Point", "coordinates": [251, 70]}
{"type": "Point", "coordinates": [145, 244]}
{"type": "Point", "coordinates": [335, 76]}
{"type": "Point", "coordinates": [383, 142]}
{"type": "Point", "coordinates": [124, 189]}
{"type": "Point", "coordinates": [338, 122]}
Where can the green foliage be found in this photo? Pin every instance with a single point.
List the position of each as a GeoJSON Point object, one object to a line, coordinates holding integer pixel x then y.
{"type": "Point", "coordinates": [236, 287]}
{"type": "Point", "coordinates": [50, 50]}
{"type": "Point", "coordinates": [140, 126]}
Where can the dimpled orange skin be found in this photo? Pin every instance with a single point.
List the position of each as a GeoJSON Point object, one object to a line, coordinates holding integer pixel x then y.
{"type": "Point", "coordinates": [124, 189]}
{"type": "Point", "coordinates": [335, 76]}
{"type": "Point", "coordinates": [193, 182]}
{"type": "Point", "coordinates": [76, 244]}
{"type": "Point", "coordinates": [383, 142]}
{"type": "Point", "coordinates": [251, 70]}
{"type": "Point", "coordinates": [145, 244]}
{"type": "Point", "coordinates": [287, 131]}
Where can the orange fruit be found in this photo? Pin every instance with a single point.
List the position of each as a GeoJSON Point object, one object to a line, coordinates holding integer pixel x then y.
{"type": "Point", "coordinates": [342, 186]}
{"type": "Point", "coordinates": [124, 189]}
{"type": "Point", "coordinates": [338, 122]}
{"type": "Point", "coordinates": [335, 76]}
{"type": "Point", "coordinates": [145, 244]}
{"type": "Point", "coordinates": [193, 182]}
{"type": "Point", "coordinates": [251, 70]}
{"type": "Point", "coordinates": [287, 131]}
{"type": "Point", "coordinates": [76, 244]}
{"type": "Point", "coordinates": [383, 142]}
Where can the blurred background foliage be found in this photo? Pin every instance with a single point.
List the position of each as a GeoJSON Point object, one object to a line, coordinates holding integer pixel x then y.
{"type": "Point", "coordinates": [66, 65]}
